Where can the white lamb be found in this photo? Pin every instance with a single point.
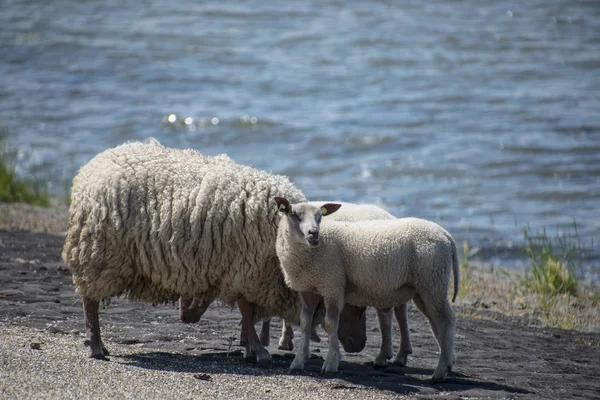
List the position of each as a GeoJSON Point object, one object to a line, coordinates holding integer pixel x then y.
{"type": "Point", "coordinates": [155, 223]}
{"type": "Point", "coordinates": [382, 263]}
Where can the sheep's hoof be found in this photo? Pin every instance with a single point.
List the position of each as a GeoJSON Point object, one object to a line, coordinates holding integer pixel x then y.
{"type": "Point", "coordinates": [99, 357]}
{"type": "Point", "coordinates": [98, 353]}
{"type": "Point", "coordinates": [265, 362]}
{"type": "Point", "coordinates": [262, 357]}
{"type": "Point", "coordinates": [249, 356]}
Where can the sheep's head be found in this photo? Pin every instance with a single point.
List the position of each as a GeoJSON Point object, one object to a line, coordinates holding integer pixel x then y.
{"type": "Point", "coordinates": [352, 330]}
{"type": "Point", "coordinates": [305, 219]}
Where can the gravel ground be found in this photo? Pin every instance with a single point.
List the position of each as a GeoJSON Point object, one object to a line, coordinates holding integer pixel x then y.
{"type": "Point", "coordinates": [153, 355]}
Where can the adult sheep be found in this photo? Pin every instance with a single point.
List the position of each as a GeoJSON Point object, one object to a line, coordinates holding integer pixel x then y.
{"type": "Point", "coordinates": [382, 263]}
{"type": "Point", "coordinates": [154, 223]}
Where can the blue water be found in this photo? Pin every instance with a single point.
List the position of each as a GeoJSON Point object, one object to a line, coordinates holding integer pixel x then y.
{"type": "Point", "coordinates": [481, 116]}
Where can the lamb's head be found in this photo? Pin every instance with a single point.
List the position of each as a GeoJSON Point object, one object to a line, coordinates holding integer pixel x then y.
{"type": "Point", "coordinates": [305, 219]}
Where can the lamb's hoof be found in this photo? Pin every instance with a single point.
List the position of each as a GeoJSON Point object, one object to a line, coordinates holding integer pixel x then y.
{"type": "Point", "coordinates": [401, 360]}
{"type": "Point", "coordinates": [438, 376]}
{"type": "Point", "coordinates": [286, 345]}
{"type": "Point", "coordinates": [381, 361]}
{"type": "Point", "coordinates": [105, 351]}
{"type": "Point", "coordinates": [315, 337]}
{"type": "Point", "coordinates": [325, 369]}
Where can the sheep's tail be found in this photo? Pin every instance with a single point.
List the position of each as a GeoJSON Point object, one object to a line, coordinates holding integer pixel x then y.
{"type": "Point", "coordinates": [455, 268]}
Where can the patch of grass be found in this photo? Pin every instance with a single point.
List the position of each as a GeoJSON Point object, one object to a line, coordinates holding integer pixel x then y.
{"type": "Point", "coordinates": [491, 291]}
{"type": "Point", "coordinates": [548, 294]}
{"type": "Point", "coordinates": [13, 190]}
{"type": "Point", "coordinates": [466, 272]}
{"type": "Point", "coordinates": [552, 263]}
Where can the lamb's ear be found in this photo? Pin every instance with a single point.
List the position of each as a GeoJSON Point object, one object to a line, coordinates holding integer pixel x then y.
{"type": "Point", "coordinates": [283, 204]}
{"type": "Point", "coordinates": [329, 208]}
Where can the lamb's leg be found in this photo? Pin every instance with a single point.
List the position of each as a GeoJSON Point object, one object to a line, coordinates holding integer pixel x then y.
{"type": "Point", "coordinates": [265, 332]}
{"type": "Point", "coordinates": [443, 322]}
{"type": "Point", "coordinates": [385, 325]}
{"type": "Point", "coordinates": [287, 334]}
{"type": "Point", "coordinates": [253, 345]}
{"type": "Point", "coordinates": [401, 313]}
{"type": "Point", "coordinates": [314, 336]}
{"type": "Point", "coordinates": [332, 320]}
{"type": "Point", "coordinates": [309, 302]}
{"type": "Point", "coordinates": [92, 328]}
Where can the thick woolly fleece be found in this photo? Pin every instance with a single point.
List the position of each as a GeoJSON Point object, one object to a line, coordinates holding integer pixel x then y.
{"type": "Point", "coordinates": [154, 223]}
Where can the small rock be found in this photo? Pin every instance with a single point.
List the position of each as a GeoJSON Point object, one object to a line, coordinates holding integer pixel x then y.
{"type": "Point", "coordinates": [35, 346]}
{"type": "Point", "coordinates": [203, 377]}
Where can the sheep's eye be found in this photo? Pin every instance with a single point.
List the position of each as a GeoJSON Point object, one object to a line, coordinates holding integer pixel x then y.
{"type": "Point", "coordinates": [295, 216]}
{"type": "Point", "coordinates": [319, 218]}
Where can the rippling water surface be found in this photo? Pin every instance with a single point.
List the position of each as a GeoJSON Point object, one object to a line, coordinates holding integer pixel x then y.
{"type": "Point", "coordinates": [481, 117]}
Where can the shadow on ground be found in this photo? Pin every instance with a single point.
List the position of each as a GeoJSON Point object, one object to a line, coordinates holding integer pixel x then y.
{"type": "Point", "coordinates": [400, 380]}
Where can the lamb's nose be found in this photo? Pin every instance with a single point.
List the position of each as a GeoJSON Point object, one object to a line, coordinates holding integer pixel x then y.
{"type": "Point", "coordinates": [313, 233]}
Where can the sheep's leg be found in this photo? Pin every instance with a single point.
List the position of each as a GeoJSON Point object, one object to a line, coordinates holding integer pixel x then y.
{"type": "Point", "coordinates": [309, 302]}
{"type": "Point", "coordinates": [401, 313]}
{"type": "Point", "coordinates": [287, 334]}
{"type": "Point", "coordinates": [92, 328]}
{"type": "Point", "coordinates": [265, 332]}
{"type": "Point", "coordinates": [253, 345]}
{"type": "Point", "coordinates": [385, 325]}
{"type": "Point", "coordinates": [332, 321]}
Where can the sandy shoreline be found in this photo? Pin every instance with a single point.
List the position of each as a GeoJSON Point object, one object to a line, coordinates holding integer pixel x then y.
{"type": "Point", "coordinates": [155, 356]}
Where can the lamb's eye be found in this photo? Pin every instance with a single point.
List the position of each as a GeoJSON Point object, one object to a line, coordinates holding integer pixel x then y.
{"type": "Point", "coordinates": [319, 218]}
{"type": "Point", "coordinates": [295, 216]}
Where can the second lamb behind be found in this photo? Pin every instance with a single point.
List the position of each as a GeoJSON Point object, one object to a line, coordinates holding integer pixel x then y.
{"type": "Point", "coordinates": [382, 263]}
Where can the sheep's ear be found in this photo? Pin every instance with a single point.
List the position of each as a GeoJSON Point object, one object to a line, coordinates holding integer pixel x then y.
{"type": "Point", "coordinates": [283, 204]}
{"type": "Point", "coordinates": [329, 208]}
